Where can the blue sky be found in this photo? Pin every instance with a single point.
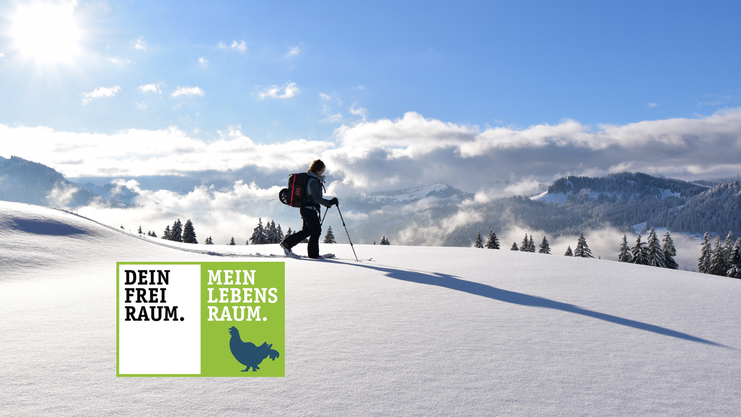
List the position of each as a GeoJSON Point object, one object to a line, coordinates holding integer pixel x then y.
{"type": "Point", "coordinates": [475, 63]}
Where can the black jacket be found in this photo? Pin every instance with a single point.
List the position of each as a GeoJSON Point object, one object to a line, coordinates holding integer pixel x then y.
{"type": "Point", "coordinates": [315, 196]}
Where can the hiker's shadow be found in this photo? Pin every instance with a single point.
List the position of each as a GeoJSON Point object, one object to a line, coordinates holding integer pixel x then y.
{"type": "Point", "coordinates": [475, 288]}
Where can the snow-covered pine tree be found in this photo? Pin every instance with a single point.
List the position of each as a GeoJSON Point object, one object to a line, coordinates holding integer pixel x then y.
{"type": "Point", "coordinates": [718, 260]}
{"type": "Point", "coordinates": [639, 253]}
{"type": "Point", "coordinates": [569, 252]}
{"type": "Point", "coordinates": [706, 252]}
{"type": "Point", "coordinates": [232, 242]}
{"type": "Point", "coordinates": [514, 246]}
{"type": "Point", "coordinates": [734, 270]}
{"type": "Point", "coordinates": [478, 243]}
{"type": "Point", "coordinates": [140, 230]}
{"type": "Point", "coordinates": [329, 237]}
{"type": "Point", "coordinates": [669, 251]}
{"type": "Point", "coordinates": [492, 242]}
{"type": "Point", "coordinates": [209, 241]}
{"type": "Point", "coordinates": [582, 248]}
{"type": "Point", "coordinates": [728, 249]}
{"type": "Point", "coordinates": [655, 253]}
{"type": "Point", "coordinates": [545, 247]}
{"type": "Point", "coordinates": [525, 246]}
{"type": "Point", "coordinates": [279, 234]}
{"type": "Point", "coordinates": [176, 233]}
{"type": "Point", "coordinates": [270, 232]}
{"type": "Point", "coordinates": [385, 241]}
{"type": "Point", "coordinates": [531, 245]}
{"type": "Point", "coordinates": [258, 234]}
{"type": "Point", "coordinates": [289, 232]}
{"type": "Point", "coordinates": [189, 232]}
{"type": "Point", "coordinates": [167, 233]}
{"type": "Point", "coordinates": [624, 255]}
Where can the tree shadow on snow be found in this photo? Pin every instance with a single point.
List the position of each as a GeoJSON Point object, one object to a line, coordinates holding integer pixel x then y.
{"type": "Point", "coordinates": [483, 290]}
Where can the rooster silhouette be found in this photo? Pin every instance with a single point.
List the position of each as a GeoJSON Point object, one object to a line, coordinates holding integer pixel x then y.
{"type": "Point", "coordinates": [247, 353]}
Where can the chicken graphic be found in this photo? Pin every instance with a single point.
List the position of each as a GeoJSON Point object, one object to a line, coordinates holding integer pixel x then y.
{"type": "Point", "coordinates": [247, 353]}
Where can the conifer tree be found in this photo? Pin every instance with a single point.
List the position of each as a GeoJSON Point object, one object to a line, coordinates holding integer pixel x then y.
{"type": "Point", "coordinates": [140, 230]}
{"type": "Point", "coordinates": [569, 252]}
{"type": "Point", "coordinates": [279, 235]}
{"type": "Point", "coordinates": [582, 248]}
{"type": "Point", "coordinates": [189, 232]}
{"type": "Point", "coordinates": [329, 237]}
{"type": "Point", "coordinates": [734, 270]}
{"type": "Point", "coordinates": [639, 253]}
{"type": "Point", "coordinates": [531, 245]}
{"type": "Point", "coordinates": [525, 247]}
{"type": "Point", "coordinates": [176, 233]}
{"type": "Point", "coordinates": [209, 241]}
{"type": "Point", "coordinates": [655, 253]}
{"type": "Point", "coordinates": [728, 249]}
{"type": "Point", "coordinates": [258, 234]}
{"type": "Point", "coordinates": [624, 255]}
{"type": "Point", "coordinates": [514, 246]}
{"type": "Point", "coordinates": [166, 235]}
{"type": "Point", "coordinates": [492, 242]}
{"type": "Point", "coordinates": [669, 252]}
{"type": "Point", "coordinates": [385, 241]}
{"type": "Point", "coordinates": [717, 260]}
{"type": "Point", "coordinates": [706, 252]}
{"type": "Point", "coordinates": [478, 243]}
{"type": "Point", "coordinates": [545, 247]}
{"type": "Point", "coordinates": [232, 242]}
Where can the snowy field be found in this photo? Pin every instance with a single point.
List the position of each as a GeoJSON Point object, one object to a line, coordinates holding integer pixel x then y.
{"type": "Point", "coordinates": [413, 331]}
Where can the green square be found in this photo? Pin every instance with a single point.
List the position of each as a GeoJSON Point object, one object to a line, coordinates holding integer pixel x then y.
{"type": "Point", "coordinates": [256, 310]}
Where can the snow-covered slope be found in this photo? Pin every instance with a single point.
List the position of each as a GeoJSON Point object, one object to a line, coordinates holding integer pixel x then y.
{"type": "Point", "coordinates": [414, 331]}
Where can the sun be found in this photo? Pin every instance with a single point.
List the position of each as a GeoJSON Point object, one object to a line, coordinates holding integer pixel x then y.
{"type": "Point", "coordinates": [46, 32]}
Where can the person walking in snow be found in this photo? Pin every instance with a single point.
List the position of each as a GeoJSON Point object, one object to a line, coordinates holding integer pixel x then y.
{"type": "Point", "coordinates": [310, 211]}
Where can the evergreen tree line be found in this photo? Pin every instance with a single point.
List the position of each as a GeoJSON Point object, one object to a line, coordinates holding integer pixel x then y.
{"type": "Point", "coordinates": [528, 245]}
{"type": "Point", "coordinates": [179, 232]}
{"type": "Point", "coordinates": [652, 253]}
{"type": "Point", "coordinates": [720, 259]}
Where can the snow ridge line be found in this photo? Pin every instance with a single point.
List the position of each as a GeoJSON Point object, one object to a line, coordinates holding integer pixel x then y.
{"type": "Point", "coordinates": [196, 251]}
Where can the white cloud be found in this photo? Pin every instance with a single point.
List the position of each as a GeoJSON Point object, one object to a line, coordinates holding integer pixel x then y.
{"type": "Point", "coordinates": [652, 104]}
{"type": "Point", "coordinates": [222, 46]}
{"type": "Point", "coordinates": [141, 105]}
{"type": "Point", "coordinates": [2, 55]}
{"type": "Point", "coordinates": [288, 91]}
{"type": "Point", "coordinates": [293, 52]}
{"type": "Point", "coordinates": [100, 92]}
{"type": "Point", "coordinates": [140, 43]}
{"type": "Point", "coordinates": [325, 96]}
{"type": "Point", "coordinates": [238, 46]}
{"type": "Point", "coordinates": [150, 88]}
{"type": "Point", "coordinates": [136, 152]}
{"type": "Point", "coordinates": [360, 111]}
{"type": "Point", "coordinates": [331, 118]}
{"type": "Point", "coordinates": [203, 61]}
{"type": "Point", "coordinates": [118, 61]}
{"type": "Point", "coordinates": [368, 156]}
{"type": "Point", "coordinates": [188, 91]}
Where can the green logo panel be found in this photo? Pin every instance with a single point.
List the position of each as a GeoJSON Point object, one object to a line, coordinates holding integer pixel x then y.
{"type": "Point", "coordinates": [214, 319]}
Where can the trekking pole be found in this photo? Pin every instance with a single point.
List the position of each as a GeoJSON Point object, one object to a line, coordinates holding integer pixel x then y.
{"type": "Point", "coordinates": [348, 234]}
{"type": "Point", "coordinates": [325, 215]}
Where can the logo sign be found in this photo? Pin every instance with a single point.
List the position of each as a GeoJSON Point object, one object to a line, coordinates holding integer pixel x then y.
{"type": "Point", "coordinates": [208, 319]}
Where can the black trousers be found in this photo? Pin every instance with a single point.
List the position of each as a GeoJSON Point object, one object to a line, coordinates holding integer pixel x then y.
{"type": "Point", "coordinates": [312, 229]}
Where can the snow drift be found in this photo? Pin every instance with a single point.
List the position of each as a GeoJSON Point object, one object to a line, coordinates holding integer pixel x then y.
{"type": "Point", "coordinates": [413, 331]}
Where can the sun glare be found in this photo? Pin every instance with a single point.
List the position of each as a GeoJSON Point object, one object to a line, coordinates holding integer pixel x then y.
{"type": "Point", "coordinates": [46, 32]}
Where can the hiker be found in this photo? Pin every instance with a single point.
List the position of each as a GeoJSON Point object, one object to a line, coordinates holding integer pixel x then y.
{"type": "Point", "coordinates": [310, 211]}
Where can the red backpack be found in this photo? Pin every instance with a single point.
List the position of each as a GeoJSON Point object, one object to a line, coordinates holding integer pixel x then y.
{"type": "Point", "coordinates": [296, 193]}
